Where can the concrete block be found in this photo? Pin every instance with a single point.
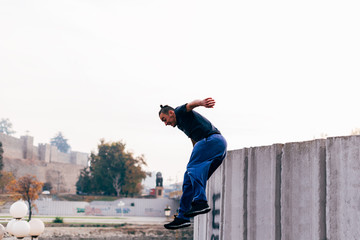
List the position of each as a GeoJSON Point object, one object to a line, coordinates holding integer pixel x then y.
{"type": "Point", "coordinates": [200, 226]}
{"type": "Point", "coordinates": [209, 226]}
{"type": "Point", "coordinates": [303, 190]}
{"type": "Point", "coordinates": [263, 200]}
{"type": "Point", "coordinates": [343, 188]}
{"type": "Point", "coordinates": [215, 192]}
{"type": "Point", "coordinates": [235, 195]}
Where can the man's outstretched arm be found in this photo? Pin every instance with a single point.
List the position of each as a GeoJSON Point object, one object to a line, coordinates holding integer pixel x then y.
{"type": "Point", "coordinates": [207, 102]}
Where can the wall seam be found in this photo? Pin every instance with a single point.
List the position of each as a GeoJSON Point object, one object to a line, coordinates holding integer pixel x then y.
{"type": "Point", "coordinates": [245, 195]}
{"type": "Point", "coordinates": [278, 194]}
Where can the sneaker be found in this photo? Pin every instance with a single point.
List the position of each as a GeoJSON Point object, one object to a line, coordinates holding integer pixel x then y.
{"type": "Point", "coordinates": [178, 223]}
{"type": "Point", "coordinates": [197, 208]}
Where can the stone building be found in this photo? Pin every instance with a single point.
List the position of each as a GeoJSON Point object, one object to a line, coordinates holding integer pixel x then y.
{"type": "Point", "coordinates": [44, 161]}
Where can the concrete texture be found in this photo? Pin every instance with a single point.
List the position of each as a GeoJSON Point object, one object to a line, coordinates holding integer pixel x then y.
{"type": "Point", "coordinates": [304, 190]}
{"type": "Point", "coordinates": [235, 187]}
{"type": "Point", "coordinates": [343, 188]}
{"type": "Point", "coordinates": [263, 200]}
{"type": "Point", "coordinates": [208, 226]}
{"type": "Point", "coordinates": [131, 207]}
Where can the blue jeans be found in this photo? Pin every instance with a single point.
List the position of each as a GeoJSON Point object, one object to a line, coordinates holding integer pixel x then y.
{"type": "Point", "coordinates": [206, 157]}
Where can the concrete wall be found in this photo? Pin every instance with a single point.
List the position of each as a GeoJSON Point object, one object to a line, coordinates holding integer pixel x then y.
{"type": "Point", "coordinates": [131, 207]}
{"type": "Point", "coordinates": [305, 190]}
{"type": "Point", "coordinates": [59, 208]}
{"type": "Point", "coordinates": [343, 188]}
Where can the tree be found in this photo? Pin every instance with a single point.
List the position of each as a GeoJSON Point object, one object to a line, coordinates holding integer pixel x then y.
{"type": "Point", "coordinates": [6, 126]}
{"type": "Point", "coordinates": [60, 142]}
{"type": "Point", "coordinates": [83, 185]}
{"type": "Point", "coordinates": [112, 171]}
{"type": "Point", "coordinates": [29, 189]}
{"type": "Point", "coordinates": [5, 179]}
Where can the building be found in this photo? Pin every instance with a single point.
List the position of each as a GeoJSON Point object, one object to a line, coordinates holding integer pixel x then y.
{"type": "Point", "coordinates": [46, 162]}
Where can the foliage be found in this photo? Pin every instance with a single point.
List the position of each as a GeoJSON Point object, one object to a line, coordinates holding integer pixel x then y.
{"type": "Point", "coordinates": [112, 171]}
{"type": "Point", "coordinates": [58, 220]}
{"type": "Point", "coordinates": [83, 185]}
{"type": "Point", "coordinates": [5, 180]}
{"type": "Point", "coordinates": [60, 142]}
{"type": "Point", "coordinates": [29, 189]}
{"type": "Point", "coordinates": [355, 131]}
{"type": "Point", "coordinates": [47, 186]}
{"type": "Point", "coordinates": [6, 126]}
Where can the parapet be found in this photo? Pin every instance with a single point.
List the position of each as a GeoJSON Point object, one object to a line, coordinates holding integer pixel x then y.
{"type": "Point", "coordinates": [301, 190]}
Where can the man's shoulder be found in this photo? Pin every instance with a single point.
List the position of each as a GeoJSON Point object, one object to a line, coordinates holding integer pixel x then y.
{"type": "Point", "coordinates": [181, 109]}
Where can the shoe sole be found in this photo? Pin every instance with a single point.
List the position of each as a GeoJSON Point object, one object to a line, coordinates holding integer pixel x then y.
{"type": "Point", "coordinates": [178, 226]}
{"type": "Point", "coordinates": [195, 213]}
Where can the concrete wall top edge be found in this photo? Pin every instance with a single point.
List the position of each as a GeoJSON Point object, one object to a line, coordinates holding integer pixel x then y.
{"type": "Point", "coordinates": [343, 138]}
{"type": "Point", "coordinates": [247, 148]}
{"type": "Point", "coordinates": [308, 141]}
{"type": "Point", "coordinates": [301, 142]}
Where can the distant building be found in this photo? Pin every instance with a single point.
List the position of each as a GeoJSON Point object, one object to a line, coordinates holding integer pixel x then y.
{"type": "Point", "coordinates": [173, 191]}
{"type": "Point", "coordinates": [46, 162]}
{"type": "Point", "coordinates": [159, 189]}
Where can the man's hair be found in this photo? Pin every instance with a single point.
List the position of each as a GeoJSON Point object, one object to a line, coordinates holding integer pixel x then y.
{"type": "Point", "coordinates": [165, 109]}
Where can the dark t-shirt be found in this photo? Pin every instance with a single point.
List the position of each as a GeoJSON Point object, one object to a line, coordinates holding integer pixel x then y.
{"type": "Point", "coordinates": [194, 125]}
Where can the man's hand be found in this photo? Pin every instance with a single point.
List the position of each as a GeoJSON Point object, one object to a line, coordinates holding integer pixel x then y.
{"type": "Point", "coordinates": [207, 102]}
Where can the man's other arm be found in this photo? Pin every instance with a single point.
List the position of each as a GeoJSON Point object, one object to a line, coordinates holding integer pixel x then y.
{"type": "Point", "coordinates": [207, 102]}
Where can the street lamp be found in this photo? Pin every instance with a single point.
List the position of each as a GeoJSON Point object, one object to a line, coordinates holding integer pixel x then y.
{"type": "Point", "coordinates": [37, 227]}
{"type": "Point", "coordinates": [10, 225]}
{"type": "Point", "coordinates": [121, 204]}
{"type": "Point", "coordinates": [18, 210]}
{"type": "Point", "coordinates": [20, 228]}
{"type": "Point", "coordinates": [167, 211]}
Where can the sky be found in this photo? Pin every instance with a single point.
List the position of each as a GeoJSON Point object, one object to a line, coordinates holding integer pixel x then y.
{"type": "Point", "coordinates": [279, 71]}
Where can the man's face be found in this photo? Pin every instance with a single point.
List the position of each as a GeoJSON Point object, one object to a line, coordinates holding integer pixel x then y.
{"type": "Point", "coordinates": [168, 119]}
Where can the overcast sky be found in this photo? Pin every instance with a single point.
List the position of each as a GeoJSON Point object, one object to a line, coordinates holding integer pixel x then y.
{"type": "Point", "coordinates": [279, 71]}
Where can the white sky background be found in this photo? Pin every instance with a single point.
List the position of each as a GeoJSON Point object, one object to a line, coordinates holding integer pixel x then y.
{"type": "Point", "coordinates": [280, 71]}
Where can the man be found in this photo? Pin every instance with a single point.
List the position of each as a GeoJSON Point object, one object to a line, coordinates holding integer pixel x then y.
{"type": "Point", "coordinates": [207, 155]}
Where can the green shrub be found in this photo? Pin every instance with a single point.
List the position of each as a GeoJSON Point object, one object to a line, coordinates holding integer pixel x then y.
{"type": "Point", "coordinates": [58, 220]}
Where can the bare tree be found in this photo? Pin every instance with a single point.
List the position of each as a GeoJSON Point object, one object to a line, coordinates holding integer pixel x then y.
{"type": "Point", "coordinates": [117, 184]}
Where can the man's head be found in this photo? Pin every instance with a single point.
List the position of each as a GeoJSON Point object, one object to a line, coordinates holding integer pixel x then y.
{"type": "Point", "coordinates": [167, 115]}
